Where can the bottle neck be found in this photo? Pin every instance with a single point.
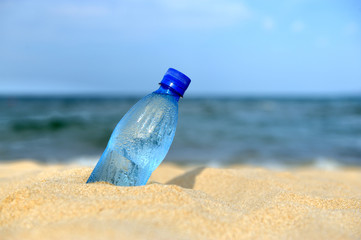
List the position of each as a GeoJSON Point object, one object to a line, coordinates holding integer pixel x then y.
{"type": "Point", "coordinates": [166, 90]}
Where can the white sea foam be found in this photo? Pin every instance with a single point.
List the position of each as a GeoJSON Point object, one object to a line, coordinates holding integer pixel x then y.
{"type": "Point", "coordinates": [326, 163]}
{"type": "Point", "coordinates": [88, 161]}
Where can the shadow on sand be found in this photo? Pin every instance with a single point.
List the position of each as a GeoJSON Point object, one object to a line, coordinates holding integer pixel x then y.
{"type": "Point", "coordinates": [187, 180]}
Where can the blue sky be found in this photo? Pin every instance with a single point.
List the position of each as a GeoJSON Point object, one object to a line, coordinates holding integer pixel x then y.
{"type": "Point", "coordinates": [224, 46]}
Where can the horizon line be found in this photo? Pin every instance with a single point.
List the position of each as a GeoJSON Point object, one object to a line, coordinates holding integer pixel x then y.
{"type": "Point", "coordinates": [191, 96]}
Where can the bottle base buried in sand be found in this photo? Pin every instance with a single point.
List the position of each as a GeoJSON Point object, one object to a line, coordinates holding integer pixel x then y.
{"type": "Point", "coordinates": [119, 171]}
{"type": "Point", "coordinates": [142, 138]}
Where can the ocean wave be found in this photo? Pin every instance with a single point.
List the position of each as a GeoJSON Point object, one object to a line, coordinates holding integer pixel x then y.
{"type": "Point", "coordinates": [53, 123]}
{"type": "Point", "coordinates": [264, 131]}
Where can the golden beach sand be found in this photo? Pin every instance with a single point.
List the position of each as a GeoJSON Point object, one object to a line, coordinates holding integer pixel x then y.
{"type": "Point", "coordinates": [53, 202]}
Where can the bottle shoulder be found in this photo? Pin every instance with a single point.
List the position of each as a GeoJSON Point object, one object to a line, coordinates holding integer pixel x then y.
{"type": "Point", "coordinates": [160, 100]}
{"type": "Point", "coordinates": [152, 106]}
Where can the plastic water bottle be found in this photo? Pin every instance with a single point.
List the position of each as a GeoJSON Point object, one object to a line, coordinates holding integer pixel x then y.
{"type": "Point", "coordinates": [142, 138]}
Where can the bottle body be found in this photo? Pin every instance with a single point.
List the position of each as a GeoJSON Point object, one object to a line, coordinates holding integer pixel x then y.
{"type": "Point", "coordinates": [140, 141]}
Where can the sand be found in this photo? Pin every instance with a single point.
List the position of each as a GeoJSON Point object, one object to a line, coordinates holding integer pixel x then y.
{"type": "Point", "coordinates": [53, 202]}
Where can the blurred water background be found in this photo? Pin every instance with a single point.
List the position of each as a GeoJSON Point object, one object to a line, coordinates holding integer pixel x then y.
{"type": "Point", "coordinates": [228, 48]}
{"type": "Point", "coordinates": [266, 131]}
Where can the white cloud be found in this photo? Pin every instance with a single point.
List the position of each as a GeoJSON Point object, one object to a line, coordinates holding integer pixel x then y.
{"type": "Point", "coordinates": [129, 20]}
{"type": "Point", "coordinates": [162, 13]}
{"type": "Point", "coordinates": [297, 26]}
{"type": "Point", "coordinates": [268, 23]}
{"type": "Point", "coordinates": [202, 13]}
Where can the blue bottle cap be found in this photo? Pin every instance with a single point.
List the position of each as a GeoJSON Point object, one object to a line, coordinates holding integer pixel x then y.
{"type": "Point", "coordinates": [176, 80]}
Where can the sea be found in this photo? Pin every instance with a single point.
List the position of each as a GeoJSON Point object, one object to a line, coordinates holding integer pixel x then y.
{"type": "Point", "coordinates": [275, 132]}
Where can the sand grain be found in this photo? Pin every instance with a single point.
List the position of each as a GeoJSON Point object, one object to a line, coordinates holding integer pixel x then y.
{"type": "Point", "coordinates": [53, 202]}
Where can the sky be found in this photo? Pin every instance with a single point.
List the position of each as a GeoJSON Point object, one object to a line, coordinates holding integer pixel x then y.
{"type": "Point", "coordinates": [227, 47]}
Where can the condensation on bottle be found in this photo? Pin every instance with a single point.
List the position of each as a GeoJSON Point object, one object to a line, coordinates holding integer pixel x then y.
{"type": "Point", "coordinates": [142, 138]}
